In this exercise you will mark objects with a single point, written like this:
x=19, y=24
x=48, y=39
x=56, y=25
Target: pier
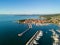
x=33, y=41
x=29, y=26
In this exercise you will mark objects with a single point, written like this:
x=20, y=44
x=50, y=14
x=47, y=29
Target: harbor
x=55, y=37
x=13, y=33
x=35, y=37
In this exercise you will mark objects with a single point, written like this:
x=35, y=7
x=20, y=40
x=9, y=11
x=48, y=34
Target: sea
x=9, y=30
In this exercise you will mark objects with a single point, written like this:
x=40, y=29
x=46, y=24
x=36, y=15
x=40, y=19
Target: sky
x=29, y=6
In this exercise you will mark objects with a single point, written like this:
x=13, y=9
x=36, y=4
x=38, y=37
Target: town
x=46, y=20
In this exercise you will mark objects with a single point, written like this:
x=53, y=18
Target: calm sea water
x=9, y=31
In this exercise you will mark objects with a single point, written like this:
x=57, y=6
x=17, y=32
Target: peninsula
x=53, y=19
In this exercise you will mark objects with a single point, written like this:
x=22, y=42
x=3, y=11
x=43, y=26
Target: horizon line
x=31, y=14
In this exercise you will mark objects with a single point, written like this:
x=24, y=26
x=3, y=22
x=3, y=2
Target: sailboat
x=35, y=42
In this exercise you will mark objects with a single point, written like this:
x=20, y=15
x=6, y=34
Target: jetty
x=35, y=37
x=29, y=26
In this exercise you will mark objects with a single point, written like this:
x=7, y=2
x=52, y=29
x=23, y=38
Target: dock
x=33, y=41
x=55, y=37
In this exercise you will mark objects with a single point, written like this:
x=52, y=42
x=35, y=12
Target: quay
x=33, y=41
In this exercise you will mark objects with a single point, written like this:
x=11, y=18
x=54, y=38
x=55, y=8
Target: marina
x=13, y=33
x=55, y=37
x=29, y=22
x=33, y=41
